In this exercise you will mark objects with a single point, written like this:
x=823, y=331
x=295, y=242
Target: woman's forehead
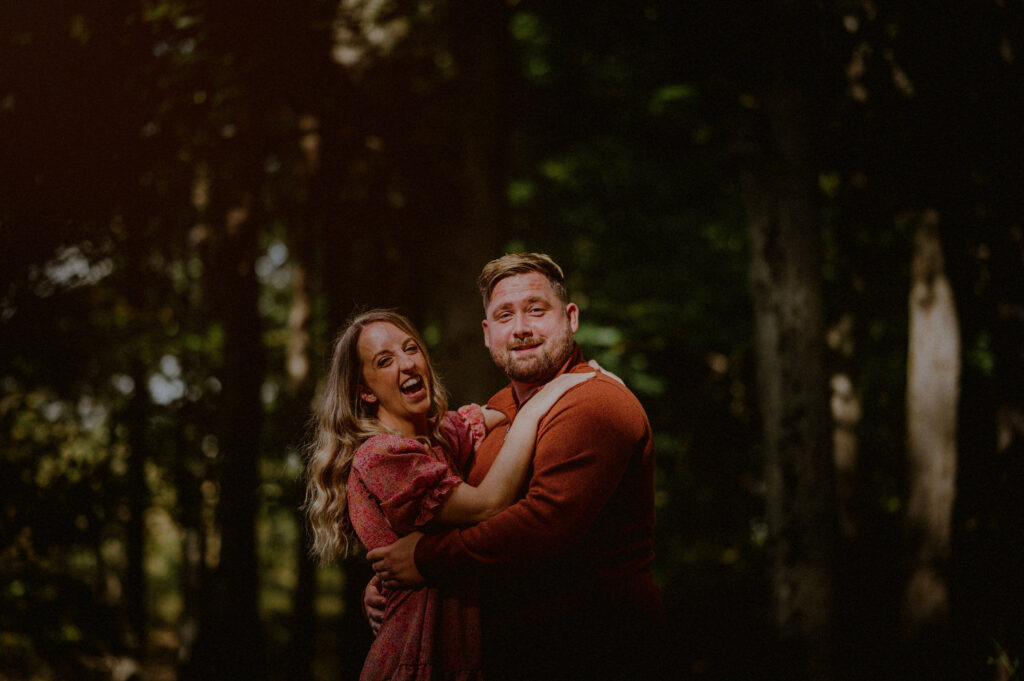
x=376, y=336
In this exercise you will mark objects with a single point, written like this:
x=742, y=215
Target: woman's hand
x=492, y=418
x=395, y=564
x=607, y=373
x=545, y=398
x=373, y=604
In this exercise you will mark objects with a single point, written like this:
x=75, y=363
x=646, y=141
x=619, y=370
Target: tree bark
x=301, y=647
x=478, y=36
x=302, y=384
x=194, y=575
x=243, y=369
x=933, y=391
x=138, y=503
x=846, y=413
x=230, y=641
x=779, y=190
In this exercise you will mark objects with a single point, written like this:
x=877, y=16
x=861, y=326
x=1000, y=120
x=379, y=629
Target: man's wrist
x=423, y=554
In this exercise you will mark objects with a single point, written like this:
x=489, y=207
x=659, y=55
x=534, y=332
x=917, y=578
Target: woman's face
x=395, y=378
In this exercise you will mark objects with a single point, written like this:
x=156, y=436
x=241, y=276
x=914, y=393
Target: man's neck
x=524, y=391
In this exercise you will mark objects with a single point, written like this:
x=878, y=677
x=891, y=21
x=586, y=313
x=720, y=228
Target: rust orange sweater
x=569, y=564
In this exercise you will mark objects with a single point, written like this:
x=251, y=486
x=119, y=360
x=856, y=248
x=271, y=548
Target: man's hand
x=373, y=604
x=395, y=565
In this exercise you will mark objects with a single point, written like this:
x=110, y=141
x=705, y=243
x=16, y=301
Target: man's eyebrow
x=528, y=301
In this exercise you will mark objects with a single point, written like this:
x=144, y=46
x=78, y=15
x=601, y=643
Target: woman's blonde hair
x=342, y=422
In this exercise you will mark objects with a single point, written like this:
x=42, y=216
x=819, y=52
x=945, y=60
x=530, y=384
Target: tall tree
x=478, y=38
x=779, y=190
x=298, y=365
x=225, y=195
x=933, y=393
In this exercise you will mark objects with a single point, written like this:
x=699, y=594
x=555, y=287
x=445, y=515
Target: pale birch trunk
x=933, y=392
x=846, y=414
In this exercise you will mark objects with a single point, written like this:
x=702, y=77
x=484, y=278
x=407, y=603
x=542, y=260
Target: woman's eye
x=412, y=348
x=383, y=361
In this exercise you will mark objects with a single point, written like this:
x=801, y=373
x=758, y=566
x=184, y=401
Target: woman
x=386, y=460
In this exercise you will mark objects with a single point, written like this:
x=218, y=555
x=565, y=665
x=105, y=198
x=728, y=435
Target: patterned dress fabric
x=396, y=486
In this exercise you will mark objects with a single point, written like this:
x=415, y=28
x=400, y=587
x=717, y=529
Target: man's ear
x=573, y=313
x=366, y=396
x=487, y=335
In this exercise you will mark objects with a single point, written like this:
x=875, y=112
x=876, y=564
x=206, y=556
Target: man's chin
x=530, y=374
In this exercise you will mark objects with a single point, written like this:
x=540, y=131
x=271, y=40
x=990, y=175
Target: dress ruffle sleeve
x=466, y=429
x=408, y=483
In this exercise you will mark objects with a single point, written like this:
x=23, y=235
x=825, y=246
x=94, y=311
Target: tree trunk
x=191, y=509
x=135, y=416
x=238, y=572
x=933, y=391
x=230, y=639
x=138, y=502
x=478, y=35
x=779, y=192
x=301, y=647
x=846, y=413
x=302, y=384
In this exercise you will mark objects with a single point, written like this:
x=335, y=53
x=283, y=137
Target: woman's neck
x=405, y=427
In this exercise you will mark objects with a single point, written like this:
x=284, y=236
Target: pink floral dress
x=395, y=486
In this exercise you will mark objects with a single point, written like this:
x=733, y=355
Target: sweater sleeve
x=584, y=445
x=408, y=483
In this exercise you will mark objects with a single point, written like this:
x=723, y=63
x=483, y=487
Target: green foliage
x=122, y=126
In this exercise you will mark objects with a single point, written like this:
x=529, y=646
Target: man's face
x=528, y=329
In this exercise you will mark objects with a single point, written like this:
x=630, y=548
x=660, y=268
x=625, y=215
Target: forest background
x=793, y=228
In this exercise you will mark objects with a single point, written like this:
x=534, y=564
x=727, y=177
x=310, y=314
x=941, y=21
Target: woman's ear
x=366, y=396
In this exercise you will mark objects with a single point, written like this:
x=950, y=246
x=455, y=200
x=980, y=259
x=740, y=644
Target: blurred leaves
x=621, y=126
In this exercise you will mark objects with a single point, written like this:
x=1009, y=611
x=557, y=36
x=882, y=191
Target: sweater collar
x=505, y=399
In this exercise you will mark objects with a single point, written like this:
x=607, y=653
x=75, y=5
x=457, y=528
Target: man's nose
x=522, y=328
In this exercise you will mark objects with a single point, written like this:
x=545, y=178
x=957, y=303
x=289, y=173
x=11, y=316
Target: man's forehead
x=520, y=300
x=521, y=286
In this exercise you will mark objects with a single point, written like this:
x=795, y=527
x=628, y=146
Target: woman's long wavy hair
x=342, y=423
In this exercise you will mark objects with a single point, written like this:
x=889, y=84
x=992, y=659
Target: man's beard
x=540, y=368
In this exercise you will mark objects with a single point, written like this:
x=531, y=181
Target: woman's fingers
x=597, y=366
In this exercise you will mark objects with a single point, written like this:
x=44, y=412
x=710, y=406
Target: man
x=566, y=584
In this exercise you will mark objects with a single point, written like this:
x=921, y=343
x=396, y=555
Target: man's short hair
x=521, y=263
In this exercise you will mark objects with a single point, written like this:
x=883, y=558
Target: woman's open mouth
x=412, y=387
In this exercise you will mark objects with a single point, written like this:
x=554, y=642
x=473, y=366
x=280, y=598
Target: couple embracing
x=511, y=541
